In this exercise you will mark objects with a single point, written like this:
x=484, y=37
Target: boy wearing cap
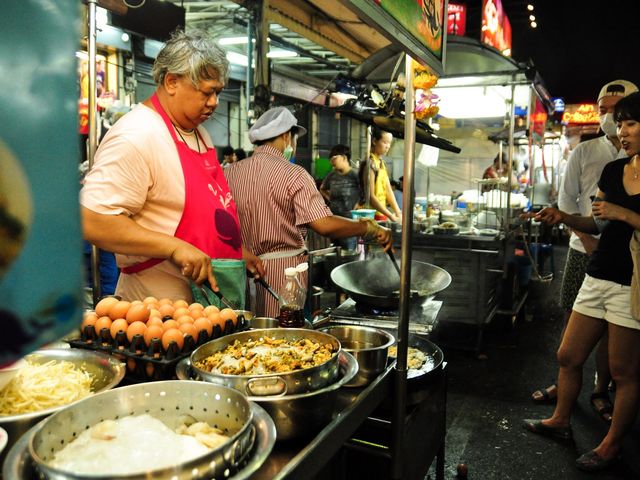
x=579, y=186
x=278, y=201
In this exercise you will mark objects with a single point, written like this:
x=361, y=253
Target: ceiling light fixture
x=234, y=40
x=238, y=59
x=282, y=54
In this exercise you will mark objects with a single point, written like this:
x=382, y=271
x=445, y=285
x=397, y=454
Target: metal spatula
x=208, y=292
x=264, y=283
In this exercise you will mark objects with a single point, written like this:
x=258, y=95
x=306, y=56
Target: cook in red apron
x=209, y=220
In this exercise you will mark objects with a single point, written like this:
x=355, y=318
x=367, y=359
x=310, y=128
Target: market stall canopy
x=468, y=62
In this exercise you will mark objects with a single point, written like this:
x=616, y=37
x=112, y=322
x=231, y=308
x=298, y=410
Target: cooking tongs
x=264, y=283
x=209, y=293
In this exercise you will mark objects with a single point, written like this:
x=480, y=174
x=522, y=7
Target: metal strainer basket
x=167, y=401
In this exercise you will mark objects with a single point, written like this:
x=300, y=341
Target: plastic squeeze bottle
x=292, y=298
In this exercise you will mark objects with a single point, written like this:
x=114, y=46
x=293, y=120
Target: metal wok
x=376, y=283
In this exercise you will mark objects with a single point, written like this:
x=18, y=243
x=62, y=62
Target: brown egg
x=102, y=322
x=104, y=305
x=179, y=312
x=216, y=319
x=136, y=302
x=165, y=301
x=155, y=321
x=169, y=324
x=228, y=314
x=180, y=304
x=118, y=325
x=166, y=310
x=184, y=319
x=196, y=306
x=150, y=300
x=154, y=313
x=90, y=318
x=153, y=331
x=119, y=310
x=136, y=328
x=203, y=324
x=138, y=313
x=196, y=313
x=189, y=329
x=210, y=309
x=172, y=335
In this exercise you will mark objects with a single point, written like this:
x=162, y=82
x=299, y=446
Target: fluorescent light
x=282, y=54
x=238, y=59
x=234, y=40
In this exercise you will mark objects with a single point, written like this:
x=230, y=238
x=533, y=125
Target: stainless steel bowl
x=248, y=316
x=299, y=381
x=369, y=346
x=106, y=370
x=168, y=401
x=270, y=322
x=296, y=415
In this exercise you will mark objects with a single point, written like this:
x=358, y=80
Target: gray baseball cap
x=274, y=122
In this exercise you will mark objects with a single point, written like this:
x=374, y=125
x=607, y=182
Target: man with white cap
x=579, y=185
x=278, y=201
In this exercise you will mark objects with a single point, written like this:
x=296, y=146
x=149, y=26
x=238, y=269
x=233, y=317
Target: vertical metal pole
x=93, y=140
x=512, y=125
x=400, y=391
x=249, y=76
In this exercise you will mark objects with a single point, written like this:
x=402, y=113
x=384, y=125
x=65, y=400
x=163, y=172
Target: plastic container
x=363, y=213
x=292, y=299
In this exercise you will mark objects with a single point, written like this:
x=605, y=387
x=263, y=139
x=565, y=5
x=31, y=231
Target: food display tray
x=150, y=363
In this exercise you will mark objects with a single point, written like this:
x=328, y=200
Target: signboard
x=496, y=28
x=418, y=26
x=582, y=114
x=457, y=19
x=558, y=104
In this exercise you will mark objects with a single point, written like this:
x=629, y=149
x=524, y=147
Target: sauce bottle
x=292, y=298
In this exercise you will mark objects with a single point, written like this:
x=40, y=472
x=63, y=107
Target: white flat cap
x=274, y=122
x=617, y=88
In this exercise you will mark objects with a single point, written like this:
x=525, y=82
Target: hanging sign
x=457, y=19
x=496, y=28
x=418, y=26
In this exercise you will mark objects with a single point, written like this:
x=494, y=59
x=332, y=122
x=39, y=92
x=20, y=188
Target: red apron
x=209, y=220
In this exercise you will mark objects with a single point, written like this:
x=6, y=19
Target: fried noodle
x=38, y=387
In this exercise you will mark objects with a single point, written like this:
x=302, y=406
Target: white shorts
x=607, y=300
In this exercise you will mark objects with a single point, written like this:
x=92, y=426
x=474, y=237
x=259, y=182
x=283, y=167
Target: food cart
x=415, y=419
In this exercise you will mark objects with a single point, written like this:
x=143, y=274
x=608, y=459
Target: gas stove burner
x=365, y=309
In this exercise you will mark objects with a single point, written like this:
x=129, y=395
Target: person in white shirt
x=578, y=188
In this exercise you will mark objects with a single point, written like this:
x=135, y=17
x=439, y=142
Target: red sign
x=496, y=28
x=457, y=19
x=539, y=118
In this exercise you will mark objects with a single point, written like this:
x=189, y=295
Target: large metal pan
x=375, y=282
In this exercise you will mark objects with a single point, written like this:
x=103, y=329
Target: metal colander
x=168, y=401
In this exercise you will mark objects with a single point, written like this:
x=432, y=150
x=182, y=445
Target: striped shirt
x=276, y=201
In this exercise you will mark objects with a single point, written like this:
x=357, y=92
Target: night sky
x=577, y=47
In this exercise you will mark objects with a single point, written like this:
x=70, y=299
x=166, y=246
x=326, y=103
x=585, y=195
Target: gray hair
x=191, y=54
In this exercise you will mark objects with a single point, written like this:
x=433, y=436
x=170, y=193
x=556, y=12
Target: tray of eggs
x=152, y=335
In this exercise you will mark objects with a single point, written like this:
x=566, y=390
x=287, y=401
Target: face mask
x=288, y=152
x=608, y=126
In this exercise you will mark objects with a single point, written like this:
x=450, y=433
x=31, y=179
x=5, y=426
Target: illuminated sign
x=457, y=19
x=558, y=104
x=581, y=114
x=417, y=26
x=496, y=28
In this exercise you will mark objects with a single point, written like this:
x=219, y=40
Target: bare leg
x=624, y=360
x=579, y=339
x=552, y=390
x=603, y=376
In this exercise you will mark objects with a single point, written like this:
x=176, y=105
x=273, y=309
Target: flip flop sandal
x=536, y=426
x=543, y=395
x=605, y=408
x=592, y=462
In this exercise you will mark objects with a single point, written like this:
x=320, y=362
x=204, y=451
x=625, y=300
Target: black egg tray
x=149, y=363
